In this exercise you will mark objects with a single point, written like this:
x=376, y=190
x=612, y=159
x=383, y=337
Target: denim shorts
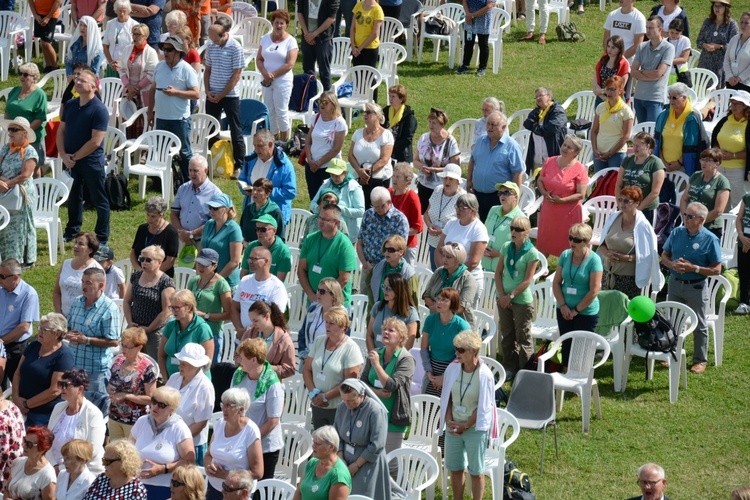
x=469, y=447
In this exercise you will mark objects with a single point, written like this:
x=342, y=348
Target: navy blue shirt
x=80, y=121
x=8, y=5
x=153, y=22
x=36, y=373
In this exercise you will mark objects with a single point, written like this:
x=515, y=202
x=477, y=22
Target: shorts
x=471, y=445
x=45, y=33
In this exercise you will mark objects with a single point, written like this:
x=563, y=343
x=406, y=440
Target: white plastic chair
x=140, y=114
x=50, y=195
x=498, y=25
x=498, y=372
x=643, y=127
x=251, y=30
x=527, y=197
x=463, y=131
x=684, y=321
x=586, y=154
x=721, y=98
x=297, y=309
x=113, y=139
x=111, y=91
x=160, y=147
x=522, y=137
x=704, y=82
x=729, y=240
x=543, y=267
x=693, y=58
x=510, y=7
x=365, y=80
x=544, y=326
x=203, y=128
x=126, y=267
x=600, y=207
x=291, y=276
x=716, y=312
x=296, y=227
x=360, y=319
x=249, y=85
x=4, y=219
x=181, y=277
x=560, y=7
x=494, y=457
x=417, y=471
x=390, y=55
x=59, y=84
x=390, y=30
x=585, y=107
x=341, y=60
x=423, y=273
x=423, y=251
x=229, y=335
x=680, y=180
x=456, y=13
x=425, y=424
x=484, y=322
x=297, y=409
x=307, y=116
x=519, y=115
x=11, y=24
x=409, y=31
x=274, y=489
x=297, y=449
x=580, y=375
x=487, y=299
x=63, y=38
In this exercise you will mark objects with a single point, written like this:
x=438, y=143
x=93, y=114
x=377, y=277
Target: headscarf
x=93, y=41
x=363, y=389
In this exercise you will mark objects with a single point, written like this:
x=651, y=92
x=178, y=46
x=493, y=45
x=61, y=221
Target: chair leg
x=586, y=409
x=683, y=370
x=650, y=368
x=544, y=439
x=595, y=397
x=674, y=380
x=559, y=400
x=52, y=243
x=617, y=360
x=719, y=341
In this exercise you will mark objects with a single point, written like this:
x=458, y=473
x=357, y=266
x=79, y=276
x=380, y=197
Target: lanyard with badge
x=321, y=252
x=572, y=289
x=321, y=376
x=350, y=444
x=461, y=408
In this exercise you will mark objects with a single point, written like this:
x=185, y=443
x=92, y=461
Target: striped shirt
x=223, y=61
x=102, y=320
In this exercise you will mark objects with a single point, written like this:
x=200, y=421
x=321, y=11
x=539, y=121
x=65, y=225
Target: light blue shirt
x=701, y=249
x=498, y=164
x=101, y=320
x=181, y=77
x=19, y=306
x=192, y=203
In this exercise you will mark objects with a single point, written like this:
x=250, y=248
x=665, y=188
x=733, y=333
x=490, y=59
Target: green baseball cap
x=267, y=219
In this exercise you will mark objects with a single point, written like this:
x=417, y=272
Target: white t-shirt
x=274, y=54
x=250, y=290
x=667, y=18
x=260, y=169
x=118, y=36
x=77, y=490
x=626, y=25
x=324, y=134
x=70, y=283
x=269, y=405
x=369, y=152
x=466, y=235
x=159, y=449
x=115, y=277
x=23, y=486
x=231, y=452
x=196, y=402
x=680, y=45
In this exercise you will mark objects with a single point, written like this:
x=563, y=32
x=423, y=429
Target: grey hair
x=501, y=116
x=405, y=169
x=156, y=205
x=244, y=478
x=13, y=266
x=545, y=90
x=327, y=434
x=577, y=141
x=380, y=194
x=375, y=108
x=658, y=468
x=455, y=250
x=225, y=23
x=123, y=3
x=495, y=103
x=699, y=207
x=236, y=396
x=177, y=16
x=468, y=200
x=30, y=68
x=97, y=273
x=200, y=160
x=55, y=321
x=678, y=88
x=265, y=135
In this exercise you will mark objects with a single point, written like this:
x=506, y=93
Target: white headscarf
x=93, y=41
x=362, y=389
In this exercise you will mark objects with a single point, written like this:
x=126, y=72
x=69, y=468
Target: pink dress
x=555, y=220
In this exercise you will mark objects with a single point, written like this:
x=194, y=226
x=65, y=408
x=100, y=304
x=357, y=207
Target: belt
x=690, y=282
x=16, y=343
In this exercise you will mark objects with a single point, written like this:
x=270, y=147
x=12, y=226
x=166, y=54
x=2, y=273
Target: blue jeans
x=614, y=161
x=180, y=128
x=91, y=176
x=218, y=346
x=98, y=382
x=647, y=111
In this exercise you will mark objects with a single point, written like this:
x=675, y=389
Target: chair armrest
x=534, y=207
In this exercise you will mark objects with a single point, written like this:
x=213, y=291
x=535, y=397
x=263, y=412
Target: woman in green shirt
x=213, y=296
x=498, y=223
x=513, y=278
x=645, y=171
x=30, y=102
x=186, y=327
x=710, y=188
x=326, y=475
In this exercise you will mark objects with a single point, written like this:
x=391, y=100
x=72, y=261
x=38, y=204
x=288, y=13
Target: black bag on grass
x=116, y=187
x=517, y=483
x=656, y=335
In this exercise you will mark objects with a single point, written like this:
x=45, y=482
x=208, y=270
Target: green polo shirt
x=326, y=258
x=511, y=281
x=498, y=227
x=281, y=256
x=196, y=332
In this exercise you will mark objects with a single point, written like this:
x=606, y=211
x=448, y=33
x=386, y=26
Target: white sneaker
x=742, y=309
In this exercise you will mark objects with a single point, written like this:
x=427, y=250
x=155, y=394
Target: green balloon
x=641, y=309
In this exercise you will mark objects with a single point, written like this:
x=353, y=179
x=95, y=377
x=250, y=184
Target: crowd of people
x=147, y=366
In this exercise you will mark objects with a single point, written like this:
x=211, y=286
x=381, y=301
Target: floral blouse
x=12, y=433
x=127, y=412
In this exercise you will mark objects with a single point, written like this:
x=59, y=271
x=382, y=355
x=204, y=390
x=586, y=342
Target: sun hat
x=451, y=171
x=23, y=123
x=193, y=354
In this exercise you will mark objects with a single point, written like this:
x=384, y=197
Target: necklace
x=150, y=236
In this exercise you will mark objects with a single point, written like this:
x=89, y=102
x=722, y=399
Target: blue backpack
x=303, y=87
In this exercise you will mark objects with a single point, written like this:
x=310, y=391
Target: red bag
x=50, y=140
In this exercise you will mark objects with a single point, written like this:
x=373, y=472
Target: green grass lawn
x=703, y=441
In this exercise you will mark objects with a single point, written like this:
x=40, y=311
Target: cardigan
x=694, y=141
x=553, y=129
x=281, y=354
x=402, y=146
x=715, y=141
x=400, y=384
x=90, y=428
x=486, y=409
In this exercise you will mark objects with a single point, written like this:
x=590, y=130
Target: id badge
x=460, y=409
x=349, y=449
x=378, y=384
x=317, y=269
x=571, y=290
x=321, y=377
x=492, y=238
x=379, y=338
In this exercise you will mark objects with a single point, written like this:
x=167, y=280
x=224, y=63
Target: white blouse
x=78, y=489
x=231, y=452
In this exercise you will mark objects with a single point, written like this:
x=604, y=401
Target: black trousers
x=393, y=11
x=322, y=53
x=13, y=351
x=315, y=180
x=580, y=322
x=486, y=202
x=484, y=49
x=231, y=108
x=368, y=57
x=424, y=196
x=743, y=268
x=367, y=190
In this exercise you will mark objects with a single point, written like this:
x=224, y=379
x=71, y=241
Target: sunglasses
x=176, y=484
x=460, y=350
x=690, y=217
x=387, y=288
x=145, y=259
x=29, y=444
x=25, y=75
x=160, y=404
x=323, y=102
x=109, y=461
x=6, y=276
x=214, y=208
x=168, y=49
x=675, y=97
x=369, y=112
x=262, y=229
x=625, y=201
x=64, y=385
x=505, y=193
x=391, y=250
x=229, y=489
x=322, y=291
x=517, y=229
x=437, y=111
x=575, y=240
x=14, y=129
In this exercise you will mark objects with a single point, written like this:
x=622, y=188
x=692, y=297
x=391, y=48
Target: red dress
x=555, y=220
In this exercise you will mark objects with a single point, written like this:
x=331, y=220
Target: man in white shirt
x=262, y=285
x=629, y=23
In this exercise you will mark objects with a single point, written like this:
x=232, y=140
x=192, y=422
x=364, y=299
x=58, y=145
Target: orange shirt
x=44, y=6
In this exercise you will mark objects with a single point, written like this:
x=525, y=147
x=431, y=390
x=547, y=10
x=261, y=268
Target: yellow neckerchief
x=545, y=111
x=20, y=148
x=679, y=122
x=394, y=117
x=611, y=110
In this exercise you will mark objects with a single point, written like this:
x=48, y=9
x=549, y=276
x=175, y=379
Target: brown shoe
x=528, y=36
x=698, y=368
x=542, y=39
x=665, y=364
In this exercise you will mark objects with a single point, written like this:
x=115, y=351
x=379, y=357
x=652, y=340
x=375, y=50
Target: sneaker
x=742, y=309
x=698, y=368
x=481, y=72
x=463, y=70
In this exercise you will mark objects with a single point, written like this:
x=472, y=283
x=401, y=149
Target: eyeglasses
x=167, y=50
x=26, y=75
x=160, y=404
x=29, y=444
x=505, y=193
x=387, y=288
x=460, y=350
x=703, y=160
x=517, y=229
x=440, y=298
x=81, y=80
x=690, y=217
x=675, y=97
x=323, y=291
x=461, y=208
x=390, y=250
x=46, y=330
x=109, y=461
x=227, y=405
x=255, y=259
x=175, y=308
x=127, y=346
x=145, y=259
x=650, y=484
x=327, y=220
x=229, y=489
x=176, y=484
x=625, y=201
x=64, y=385
x=369, y=112
x=262, y=230
x=575, y=240
x=611, y=89
x=14, y=129
x=6, y=276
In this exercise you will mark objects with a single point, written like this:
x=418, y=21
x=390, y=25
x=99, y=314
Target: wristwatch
x=323, y=395
x=207, y=316
x=512, y=296
x=192, y=236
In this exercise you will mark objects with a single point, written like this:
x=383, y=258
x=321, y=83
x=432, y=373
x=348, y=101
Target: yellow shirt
x=365, y=20
x=672, y=136
x=731, y=138
x=610, y=130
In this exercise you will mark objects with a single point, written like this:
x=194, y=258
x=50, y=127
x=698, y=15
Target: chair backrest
x=423, y=274
x=229, y=335
x=508, y=430
x=498, y=372
x=423, y=251
x=585, y=108
x=159, y=146
x=583, y=352
x=59, y=84
x=721, y=97
x=417, y=470
x=390, y=30
x=527, y=197
x=454, y=11
x=11, y=22
x=519, y=115
x=598, y=175
x=111, y=90
x=532, y=396
x=203, y=128
x=126, y=267
x=463, y=131
x=601, y=207
x=342, y=51
x=704, y=81
x=425, y=420
x=643, y=127
x=51, y=194
x=296, y=227
x=297, y=449
x=487, y=299
x=544, y=299
x=542, y=268
x=390, y=55
x=291, y=276
x=252, y=110
x=113, y=139
x=499, y=22
x=586, y=154
x=4, y=218
x=715, y=283
x=252, y=29
x=296, y=401
x=683, y=319
x=522, y=137
x=424, y=311
x=249, y=85
x=359, y=307
x=680, y=180
x=729, y=234
x=181, y=277
x=365, y=79
x=693, y=58
x=274, y=489
x=297, y=309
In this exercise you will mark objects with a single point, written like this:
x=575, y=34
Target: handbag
x=685, y=77
x=438, y=24
x=14, y=199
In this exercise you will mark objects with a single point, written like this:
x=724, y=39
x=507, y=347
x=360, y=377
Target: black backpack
x=656, y=335
x=517, y=483
x=116, y=187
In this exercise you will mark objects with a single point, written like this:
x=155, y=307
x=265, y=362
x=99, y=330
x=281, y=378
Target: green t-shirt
x=510, y=282
x=196, y=332
x=314, y=488
x=465, y=392
x=32, y=107
x=706, y=192
x=642, y=175
x=374, y=381
x=498, y=227
x=441, y=336
x=325, y=258
x=209, y=299
x=281, y=257
x=576, y=280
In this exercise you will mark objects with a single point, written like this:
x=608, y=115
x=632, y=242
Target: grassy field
x=703, y=441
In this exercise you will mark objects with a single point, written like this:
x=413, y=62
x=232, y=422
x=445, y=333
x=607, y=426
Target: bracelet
x=166, y=469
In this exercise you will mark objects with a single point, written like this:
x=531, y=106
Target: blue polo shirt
x=80, y=122
x=498, y=164
x=153, y=22
x=102, y=320
x=192, y=203
x=19, y=306
x=702, y=249
x=181, y=77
